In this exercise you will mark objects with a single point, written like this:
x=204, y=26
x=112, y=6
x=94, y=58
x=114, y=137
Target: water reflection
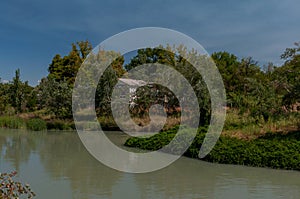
x=16, y=149
x=58, y=166
x=63, y=158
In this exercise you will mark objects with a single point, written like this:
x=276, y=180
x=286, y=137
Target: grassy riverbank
x=244, y=141
x=38, y=122
x=273, y=150
x=35, y=124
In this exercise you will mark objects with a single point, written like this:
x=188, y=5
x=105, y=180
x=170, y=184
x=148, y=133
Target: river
x=57, y=165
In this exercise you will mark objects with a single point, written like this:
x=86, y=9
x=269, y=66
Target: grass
x=246, y=127
x=12, y=122
x=35, y=124
x=236, y=125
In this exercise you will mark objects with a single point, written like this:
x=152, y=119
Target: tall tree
x=22, y=96
x=288, y=76
x=4, y=97
x=228, y=65
x=174, y=57
x=55, y=97
x=65, y=68
x=16, y=92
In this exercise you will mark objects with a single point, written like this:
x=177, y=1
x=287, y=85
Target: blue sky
x=33, y=31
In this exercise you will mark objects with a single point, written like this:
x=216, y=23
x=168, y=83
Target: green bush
x=272, y=150
x=36, y=124
x=60, y=125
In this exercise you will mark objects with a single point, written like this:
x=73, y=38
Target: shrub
x=36, y=124
x=271, y=150
x=60, y=125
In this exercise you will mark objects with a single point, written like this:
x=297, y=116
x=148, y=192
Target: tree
x=55, y=97
x=4, y=97
x=55, y=91
x=65, y=68
x=108, y=79
x=16, y=92
x=262, y=100
x=236, y=75
x=292, y=97
x=174, y=57
x=289, y=76
x=228, y=66
x=21, y=94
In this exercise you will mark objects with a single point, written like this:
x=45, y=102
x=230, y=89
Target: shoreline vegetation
x=239, y=126
x=274, y=144
x=262, y=126
x=279, y=150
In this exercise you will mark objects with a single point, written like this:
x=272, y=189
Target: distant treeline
x=263, y=92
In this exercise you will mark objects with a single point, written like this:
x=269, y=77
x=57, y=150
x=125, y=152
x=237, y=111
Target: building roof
x=132, y=82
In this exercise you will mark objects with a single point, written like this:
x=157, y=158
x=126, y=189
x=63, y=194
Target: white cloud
x=4, y=81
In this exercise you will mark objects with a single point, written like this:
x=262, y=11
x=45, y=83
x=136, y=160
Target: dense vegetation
x=256, y=95
x=262, y=123
x=271, y=150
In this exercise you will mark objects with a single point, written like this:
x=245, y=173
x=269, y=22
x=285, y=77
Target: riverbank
x=272, y=150
x=35, y=124
x=261, y=147
x=39, y=122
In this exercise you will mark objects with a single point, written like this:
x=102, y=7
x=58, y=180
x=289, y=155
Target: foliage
x=56, y=88
x=293, y=96
x=56, y=97
x=154, y=142
x=60, y=125
x=12, y=122
x=17, y=94
x=4, y=98
x=235, y=73
x=260, y=94
x=108, y=123
x=10, y=189
x=36, y=124
x=174, y=57
x=65, y=68
x=104, y=91
x=245, y=126
x=291, y=73
x=261, y=101
x=271, y=150
x=109, y=78
x=228, y=66
x=55, y=91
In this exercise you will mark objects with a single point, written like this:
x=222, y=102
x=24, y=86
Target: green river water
x=57, y=166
